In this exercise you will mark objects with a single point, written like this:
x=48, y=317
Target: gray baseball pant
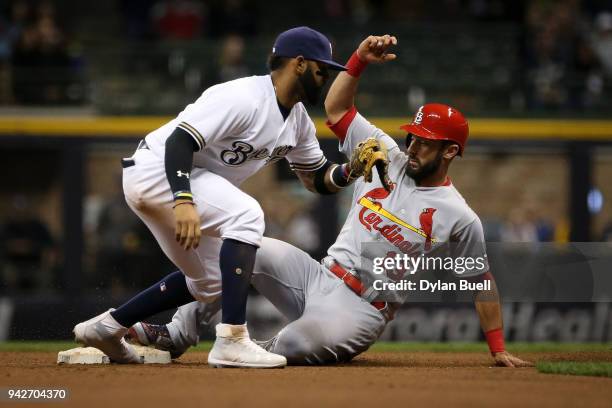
x=328, y=322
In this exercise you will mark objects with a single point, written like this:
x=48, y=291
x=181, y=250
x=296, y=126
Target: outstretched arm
x=341, y=95
x=488, y=306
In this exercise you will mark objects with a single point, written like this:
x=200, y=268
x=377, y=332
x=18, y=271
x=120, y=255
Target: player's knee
x=248, y=225
x=253, y=221
x=255, y=216
x=296, y=347
x=305, y=345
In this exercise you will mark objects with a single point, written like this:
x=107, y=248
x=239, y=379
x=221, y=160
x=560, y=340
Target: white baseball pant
x=225, y=212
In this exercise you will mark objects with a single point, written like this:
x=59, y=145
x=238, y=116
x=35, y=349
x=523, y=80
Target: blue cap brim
x=333, y=65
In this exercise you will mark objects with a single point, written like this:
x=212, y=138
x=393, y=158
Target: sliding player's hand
x=505, y=359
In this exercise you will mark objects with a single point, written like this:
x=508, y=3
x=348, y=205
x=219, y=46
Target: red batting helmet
x=440, y=122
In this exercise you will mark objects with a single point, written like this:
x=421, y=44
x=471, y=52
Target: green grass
x=594, y=369
x=517, y=347
x=55, y=346
x=37, y=345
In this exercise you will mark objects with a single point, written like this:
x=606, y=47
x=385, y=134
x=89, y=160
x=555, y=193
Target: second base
x=91, y=355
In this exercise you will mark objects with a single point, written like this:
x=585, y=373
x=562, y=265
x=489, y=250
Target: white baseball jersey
x=410, y=219
x=239, y=128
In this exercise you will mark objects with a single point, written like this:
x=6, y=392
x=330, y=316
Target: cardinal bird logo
x=377, y=194
x=426, y=220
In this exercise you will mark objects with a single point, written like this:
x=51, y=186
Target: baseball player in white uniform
x=183, y=182
x=333, y=314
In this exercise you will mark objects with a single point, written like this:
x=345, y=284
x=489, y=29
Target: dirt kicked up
x=380, y=379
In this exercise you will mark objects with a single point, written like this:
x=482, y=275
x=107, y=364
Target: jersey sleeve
x=469, y=250
x=218, y=113
x=307, y=154
x=354, y=128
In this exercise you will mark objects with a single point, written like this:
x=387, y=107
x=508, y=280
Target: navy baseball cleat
x=153, y=335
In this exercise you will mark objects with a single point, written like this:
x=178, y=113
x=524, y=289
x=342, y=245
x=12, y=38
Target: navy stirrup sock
x=168, y=293
x=236, y=261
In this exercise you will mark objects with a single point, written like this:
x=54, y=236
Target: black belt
x=129, y=162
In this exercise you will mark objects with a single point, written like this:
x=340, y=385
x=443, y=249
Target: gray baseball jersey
x=411, y=219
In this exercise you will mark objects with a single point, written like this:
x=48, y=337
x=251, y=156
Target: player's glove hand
x=187, y=224
x=368, y=154
x=505, y=359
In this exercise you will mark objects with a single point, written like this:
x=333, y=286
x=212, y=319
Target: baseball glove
x=368, y=154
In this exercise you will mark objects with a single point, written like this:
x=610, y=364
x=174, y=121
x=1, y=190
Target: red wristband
x=495, y=339
x=355, y=66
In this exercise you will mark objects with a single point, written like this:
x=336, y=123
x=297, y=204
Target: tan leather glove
x=368, y=154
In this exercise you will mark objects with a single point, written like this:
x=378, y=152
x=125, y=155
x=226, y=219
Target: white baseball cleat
x=106, y=334
x=234, y=348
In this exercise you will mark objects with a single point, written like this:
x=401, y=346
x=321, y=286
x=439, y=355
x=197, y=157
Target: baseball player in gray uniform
x=183, y=182
x=333, y=314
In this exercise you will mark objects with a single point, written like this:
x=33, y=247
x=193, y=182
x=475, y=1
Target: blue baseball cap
x=309, y=43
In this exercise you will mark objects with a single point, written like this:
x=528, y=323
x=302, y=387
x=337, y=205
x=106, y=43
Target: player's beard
x=425, y=171
x=312, y=92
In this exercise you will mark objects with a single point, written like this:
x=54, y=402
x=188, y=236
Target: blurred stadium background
x=82, y=82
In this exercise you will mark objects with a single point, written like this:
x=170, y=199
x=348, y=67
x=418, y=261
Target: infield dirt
x=382, y=379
